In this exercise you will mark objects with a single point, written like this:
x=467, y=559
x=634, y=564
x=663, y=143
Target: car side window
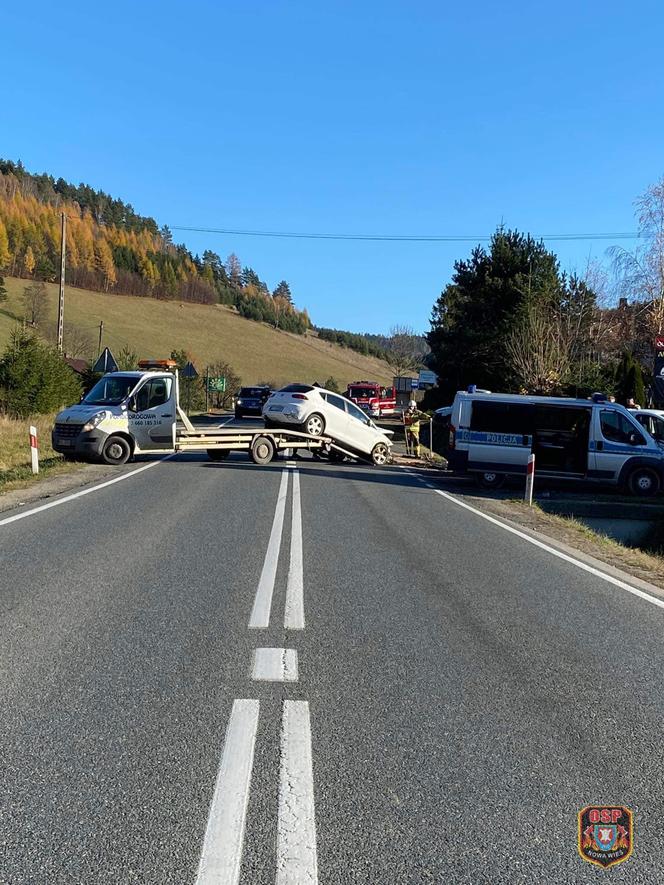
x=336, y=401
x=618, y=428
x=354, y=412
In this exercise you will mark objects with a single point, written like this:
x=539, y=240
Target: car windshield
x=252, y=391
x=111, y=390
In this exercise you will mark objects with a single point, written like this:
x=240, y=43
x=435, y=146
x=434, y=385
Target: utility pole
x=101, y=332
x=61, y=301
x=207, y=389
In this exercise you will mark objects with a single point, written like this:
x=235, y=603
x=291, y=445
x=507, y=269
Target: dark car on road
x=250, y=401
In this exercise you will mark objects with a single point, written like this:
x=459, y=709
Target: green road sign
x=217, y=385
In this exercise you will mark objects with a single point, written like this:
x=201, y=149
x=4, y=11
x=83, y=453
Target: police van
x=492, y=436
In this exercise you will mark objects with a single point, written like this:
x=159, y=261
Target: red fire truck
x=373, y=398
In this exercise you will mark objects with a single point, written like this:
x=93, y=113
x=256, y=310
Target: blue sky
x=374, y=117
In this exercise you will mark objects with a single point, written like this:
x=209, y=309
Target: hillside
x=211, y=332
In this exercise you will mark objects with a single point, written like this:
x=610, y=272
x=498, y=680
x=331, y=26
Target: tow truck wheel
x=644, y=481
x=380, y=454
x=262, y=450
x=314, y=425
x=116, y=451
x=218, y=454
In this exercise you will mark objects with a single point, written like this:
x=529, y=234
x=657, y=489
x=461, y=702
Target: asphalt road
x=460, y=693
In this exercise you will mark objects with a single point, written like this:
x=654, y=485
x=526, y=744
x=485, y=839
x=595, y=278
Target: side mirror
x=131, y=404
x=633, y=440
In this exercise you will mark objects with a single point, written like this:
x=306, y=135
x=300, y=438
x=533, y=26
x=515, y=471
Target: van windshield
x=111, y=390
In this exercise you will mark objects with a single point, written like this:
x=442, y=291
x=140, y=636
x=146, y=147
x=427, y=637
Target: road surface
x=435, y=700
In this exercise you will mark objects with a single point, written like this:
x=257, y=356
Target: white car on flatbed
x=317, y=412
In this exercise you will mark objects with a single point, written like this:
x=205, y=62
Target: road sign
x=105, y=363
x=428, y=377
x=414, y=384
x=189, y=371
x=217, y=385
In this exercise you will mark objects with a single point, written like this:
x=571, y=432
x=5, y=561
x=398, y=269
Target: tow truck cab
x=124, y=413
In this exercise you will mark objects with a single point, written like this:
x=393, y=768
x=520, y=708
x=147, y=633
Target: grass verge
x=15, y=463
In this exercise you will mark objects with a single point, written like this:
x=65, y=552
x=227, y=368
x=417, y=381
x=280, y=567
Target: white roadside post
x=530, y=479
x=34, y=449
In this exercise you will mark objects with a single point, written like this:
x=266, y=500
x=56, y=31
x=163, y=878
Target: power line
x=389, y=238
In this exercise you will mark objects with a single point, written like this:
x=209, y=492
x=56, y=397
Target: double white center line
x=294, y=610
x=296, y=861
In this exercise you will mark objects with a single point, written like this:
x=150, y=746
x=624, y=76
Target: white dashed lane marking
x=275, y=665
x=260, y=613
x=221, y=857
x=297, y=862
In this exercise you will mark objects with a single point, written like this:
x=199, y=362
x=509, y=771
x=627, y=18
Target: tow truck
x=138, y=412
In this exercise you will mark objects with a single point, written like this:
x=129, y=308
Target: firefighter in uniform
x=413, y=416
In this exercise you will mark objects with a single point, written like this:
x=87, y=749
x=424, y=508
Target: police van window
x=618, y=428
x=657, y=428
x=154, y=393
x=502, y=417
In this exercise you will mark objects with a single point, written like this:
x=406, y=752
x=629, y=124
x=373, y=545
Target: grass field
x=212, y=333
x=15, y=464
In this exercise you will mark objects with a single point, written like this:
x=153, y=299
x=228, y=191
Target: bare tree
x=539, y=351
x=404, y=350
x=234, y=269
x=641, y=272
x=35, y=303
x=77, y=343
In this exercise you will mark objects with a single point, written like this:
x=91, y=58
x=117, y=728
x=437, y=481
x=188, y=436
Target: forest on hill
x=111, y=248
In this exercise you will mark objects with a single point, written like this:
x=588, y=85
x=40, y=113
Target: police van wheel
x=262, y=450
x=644, y=481
x=116, y=451
x=490, y=480
x=218, y=454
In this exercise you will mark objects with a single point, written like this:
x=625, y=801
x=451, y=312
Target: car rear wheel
x=218, y=454
x=380, y=454
x=644, y=481
x=314, y=425
x=490, y=480
x=116, y=450
x=262, y=450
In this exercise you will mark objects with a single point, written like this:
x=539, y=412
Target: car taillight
x=452, y=436
x=298, y=396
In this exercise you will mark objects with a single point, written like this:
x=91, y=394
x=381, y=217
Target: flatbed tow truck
x=138, y=412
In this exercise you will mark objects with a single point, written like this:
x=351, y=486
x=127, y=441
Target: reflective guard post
x=34, y=450
x=530, y=479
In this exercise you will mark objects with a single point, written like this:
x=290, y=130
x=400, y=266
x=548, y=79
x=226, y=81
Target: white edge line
x=296, y=828
x=221, y=855
x=260, y=613
x=537, y=543
x=294, y=611
x=101, y=485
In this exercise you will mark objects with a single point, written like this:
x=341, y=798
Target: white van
x=123, y=414
x=492, y=435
